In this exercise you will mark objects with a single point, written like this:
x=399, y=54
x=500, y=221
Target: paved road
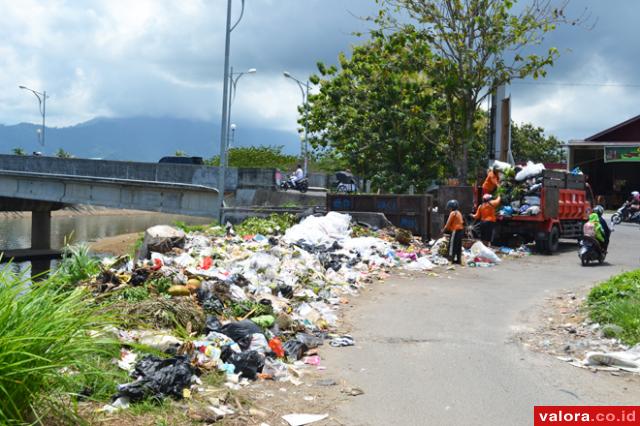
x=437, y=351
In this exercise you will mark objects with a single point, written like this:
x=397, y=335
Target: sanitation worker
x=492, y=182
x=486, y=214
x=455, y=225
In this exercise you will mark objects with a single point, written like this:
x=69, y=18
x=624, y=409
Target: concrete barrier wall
x=156, y=172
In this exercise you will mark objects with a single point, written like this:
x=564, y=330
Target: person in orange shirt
x=486, y=213
x=492, y=182
x=455, y=225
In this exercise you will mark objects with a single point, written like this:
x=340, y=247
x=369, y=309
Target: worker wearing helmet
x=455, y=225
x=486, y=214
x=492, y=182
x=599, y=210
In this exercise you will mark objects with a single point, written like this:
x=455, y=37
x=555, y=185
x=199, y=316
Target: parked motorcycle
x=591, y=251
x=625, y=214
x=301, y=185
x=346, y=182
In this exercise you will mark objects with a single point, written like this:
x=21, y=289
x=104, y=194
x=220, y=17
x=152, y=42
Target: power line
x=548, y=83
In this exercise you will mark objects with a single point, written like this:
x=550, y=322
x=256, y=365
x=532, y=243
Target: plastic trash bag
x=529, y=171
x=158, y=378
x=212, y=324
x=501, y=165
x=248, y=363
x=259, y=343
x=324, y=230
x=310, y=341
x=532, y=200
x=240, y=331
x=294, y=349
x=589, y=230
x=479, y=250
x=284, y=290
x=264, y=321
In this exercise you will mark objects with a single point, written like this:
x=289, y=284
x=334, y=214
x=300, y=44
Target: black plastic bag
x=212, y=324
x=158, y=378
x=284, y=290
x=248, y=363
x=239, y=280
x=310, y=341
x=294, y=349
x=241, y=332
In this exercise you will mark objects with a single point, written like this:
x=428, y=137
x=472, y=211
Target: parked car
x=182, y=160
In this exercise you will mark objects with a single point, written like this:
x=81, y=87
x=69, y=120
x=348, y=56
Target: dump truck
x=566, y=201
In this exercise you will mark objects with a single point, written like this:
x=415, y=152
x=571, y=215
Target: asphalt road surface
x=439, y=351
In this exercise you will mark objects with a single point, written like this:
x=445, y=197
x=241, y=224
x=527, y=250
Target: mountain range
x=137, y=138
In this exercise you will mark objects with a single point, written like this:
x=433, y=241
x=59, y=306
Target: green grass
x=49, y=351
x=617, y=301
x=77, y=264
x=273, y=224
x=207, y=229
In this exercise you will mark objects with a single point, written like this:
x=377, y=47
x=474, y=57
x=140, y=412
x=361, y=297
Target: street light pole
x=232, y=96
x=42, y=105
x=225, y=105
x=304, y=89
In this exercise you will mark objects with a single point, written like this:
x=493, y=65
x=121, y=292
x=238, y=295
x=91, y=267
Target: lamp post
x=42, y=104
x=234, y=85
x=225, y=102
x=304, y=88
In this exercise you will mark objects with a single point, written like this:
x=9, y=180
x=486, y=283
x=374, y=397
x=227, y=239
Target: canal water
x=15, y=233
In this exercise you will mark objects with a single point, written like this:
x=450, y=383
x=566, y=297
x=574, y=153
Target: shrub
x=48, y=347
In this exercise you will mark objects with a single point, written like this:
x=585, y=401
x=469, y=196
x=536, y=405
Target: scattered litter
x=303, y=419
x=342, y=341
x=353, y=391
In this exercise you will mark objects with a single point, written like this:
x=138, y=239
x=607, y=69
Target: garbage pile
x=520, y=189
x=256, y=306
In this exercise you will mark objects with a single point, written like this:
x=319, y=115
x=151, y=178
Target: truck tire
x=550, y=243
x=554, y=239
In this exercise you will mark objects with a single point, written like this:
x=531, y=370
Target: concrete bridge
x=42, y=184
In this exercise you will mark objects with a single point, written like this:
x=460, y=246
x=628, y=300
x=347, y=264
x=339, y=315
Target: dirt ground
x=116, y=245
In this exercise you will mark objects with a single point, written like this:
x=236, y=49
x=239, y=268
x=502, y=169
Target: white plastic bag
x=501, y=165
x=530, y=170
x=479, y=250
x=320, y=230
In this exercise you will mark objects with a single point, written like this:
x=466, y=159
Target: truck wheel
x=541, y=246
x=553, y=240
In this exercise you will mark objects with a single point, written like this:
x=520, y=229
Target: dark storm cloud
x=165, y=58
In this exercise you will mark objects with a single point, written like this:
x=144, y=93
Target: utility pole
x=225, y=105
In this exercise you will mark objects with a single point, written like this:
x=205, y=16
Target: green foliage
x=380, y=113
x=77, y=265
x=258, y=157
x=61, y=153
x=134, y=294
x=274, y=224
x=136, y=245
x=617, y=301
x=477, y=46
x=530, y=143
x=180, y=153
x=241, y=309
x=48, y=348
x=18, y=151
x=195, y=228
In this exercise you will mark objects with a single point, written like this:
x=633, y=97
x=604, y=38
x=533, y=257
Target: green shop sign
x=616, y=154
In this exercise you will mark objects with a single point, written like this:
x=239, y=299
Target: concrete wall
x=156, y=172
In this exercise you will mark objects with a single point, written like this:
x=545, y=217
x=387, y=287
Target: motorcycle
x=301, y=185
x=625, y=214
x=346, y=182
x=591, y=251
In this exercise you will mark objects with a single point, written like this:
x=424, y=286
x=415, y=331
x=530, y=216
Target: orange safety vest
x=455, y=222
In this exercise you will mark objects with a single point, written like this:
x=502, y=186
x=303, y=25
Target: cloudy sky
x=120, y=58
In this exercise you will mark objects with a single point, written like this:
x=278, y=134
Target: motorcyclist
x=297, y=176
x=634, y=205
x=599, y=210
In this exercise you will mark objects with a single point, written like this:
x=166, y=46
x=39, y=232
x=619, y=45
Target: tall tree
x=478, y=46
x=380, y=112
x=529, y=143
